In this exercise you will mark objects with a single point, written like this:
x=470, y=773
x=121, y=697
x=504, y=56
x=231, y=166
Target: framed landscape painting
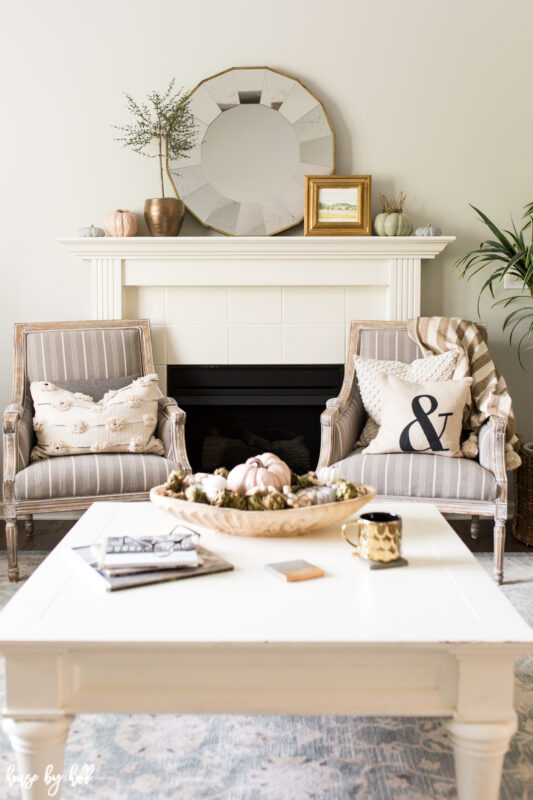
x=338, y=205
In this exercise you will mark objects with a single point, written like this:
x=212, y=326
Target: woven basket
x=523, y=496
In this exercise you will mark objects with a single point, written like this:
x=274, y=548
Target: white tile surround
x=253, y=300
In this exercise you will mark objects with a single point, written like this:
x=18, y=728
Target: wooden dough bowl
x=286, y=522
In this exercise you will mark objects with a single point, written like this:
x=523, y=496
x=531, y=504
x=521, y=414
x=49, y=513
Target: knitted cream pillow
x=71, y=423
x=421, y=417
x=431, y=368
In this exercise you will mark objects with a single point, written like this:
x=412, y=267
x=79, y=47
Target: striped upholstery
x=388, y=344
x=87, y=475
x=417, y=475
x=348, y=425
x=69, y=355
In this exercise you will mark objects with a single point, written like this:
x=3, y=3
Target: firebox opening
x=235, y=412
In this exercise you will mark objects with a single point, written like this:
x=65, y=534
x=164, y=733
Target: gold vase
x=164, y=215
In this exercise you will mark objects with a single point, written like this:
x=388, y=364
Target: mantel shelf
x=391, y=265
x=259, y=247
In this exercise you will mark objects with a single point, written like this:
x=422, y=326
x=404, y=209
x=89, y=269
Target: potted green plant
x=510, y=252
x=166, y=120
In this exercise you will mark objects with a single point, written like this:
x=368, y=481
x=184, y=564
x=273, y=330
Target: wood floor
x=47, y=533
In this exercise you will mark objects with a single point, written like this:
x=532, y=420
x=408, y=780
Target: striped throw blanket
x=490, y=396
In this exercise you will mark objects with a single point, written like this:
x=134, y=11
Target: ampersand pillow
x=71, y=423
x=421, y=417
x=430, y=368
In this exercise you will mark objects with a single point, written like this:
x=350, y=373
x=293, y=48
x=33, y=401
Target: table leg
x=39, y=747
x=479, y=749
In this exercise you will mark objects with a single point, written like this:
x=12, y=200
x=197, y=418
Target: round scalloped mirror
x=259, y=133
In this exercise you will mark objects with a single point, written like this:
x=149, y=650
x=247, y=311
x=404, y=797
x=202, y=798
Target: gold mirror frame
x=314, y=140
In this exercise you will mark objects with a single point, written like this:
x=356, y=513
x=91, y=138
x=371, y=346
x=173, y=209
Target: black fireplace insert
x=235, y=412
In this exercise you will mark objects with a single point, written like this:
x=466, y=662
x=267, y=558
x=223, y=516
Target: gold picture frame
x=338, y=205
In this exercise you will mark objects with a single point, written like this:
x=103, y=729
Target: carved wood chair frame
x=14, y=508
x=330, y=422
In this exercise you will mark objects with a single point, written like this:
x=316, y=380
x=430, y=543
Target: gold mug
x=379, y=536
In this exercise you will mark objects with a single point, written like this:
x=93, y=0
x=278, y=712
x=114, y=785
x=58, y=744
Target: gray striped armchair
x=453, y=485
x=90, y=357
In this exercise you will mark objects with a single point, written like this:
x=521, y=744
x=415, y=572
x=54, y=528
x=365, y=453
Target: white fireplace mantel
x=392, y=263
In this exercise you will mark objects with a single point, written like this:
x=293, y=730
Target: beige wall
x=429, y=96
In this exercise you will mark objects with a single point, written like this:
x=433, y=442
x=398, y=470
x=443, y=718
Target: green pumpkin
x=392, y=221
x=393, y=224
x=428, y=230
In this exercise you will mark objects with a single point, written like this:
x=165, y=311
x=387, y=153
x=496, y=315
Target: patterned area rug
x=284, y=758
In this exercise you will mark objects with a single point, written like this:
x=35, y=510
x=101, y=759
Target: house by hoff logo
x=76, y=776
x=422, y=418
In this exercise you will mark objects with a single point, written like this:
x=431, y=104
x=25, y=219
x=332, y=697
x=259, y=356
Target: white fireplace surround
x=252, y=300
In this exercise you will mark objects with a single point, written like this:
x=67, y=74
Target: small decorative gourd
x=91, y=231
x=322, y=494
x=259, y=472
x=392, y=221
x=428, y=230
x=329, y=475
x=121, y=223
x=212, y=484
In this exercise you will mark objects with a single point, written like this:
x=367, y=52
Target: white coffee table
x=435, y=639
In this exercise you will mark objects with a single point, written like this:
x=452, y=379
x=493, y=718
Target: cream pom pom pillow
x=71, y=423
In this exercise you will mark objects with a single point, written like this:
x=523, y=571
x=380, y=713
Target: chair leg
x=499, y=549
x=474, y=527
x=12, y=549
x=28, y=524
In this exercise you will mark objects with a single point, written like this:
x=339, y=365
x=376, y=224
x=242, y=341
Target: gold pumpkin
x=261, y=472
x=121, y=223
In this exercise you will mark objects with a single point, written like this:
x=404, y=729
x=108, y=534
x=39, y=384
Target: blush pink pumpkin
x=121, y=223
x=261, y=472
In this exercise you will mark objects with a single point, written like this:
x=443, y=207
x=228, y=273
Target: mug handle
x=346, y=525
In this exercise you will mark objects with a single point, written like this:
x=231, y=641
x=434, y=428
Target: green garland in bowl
x=305, y=490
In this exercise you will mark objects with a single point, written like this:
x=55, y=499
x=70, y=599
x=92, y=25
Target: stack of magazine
x=126, y=561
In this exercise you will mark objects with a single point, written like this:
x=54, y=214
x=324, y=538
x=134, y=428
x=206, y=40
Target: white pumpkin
x=428, y=230
x=212, y=484
x=261, y=472
x=91, y=231
x=329, y=475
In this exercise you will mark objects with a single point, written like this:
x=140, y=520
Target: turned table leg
x=479, y=749
x=474, y=526
x=12, y=548
x=39, y=747
x=28, y=524
x=499, y=550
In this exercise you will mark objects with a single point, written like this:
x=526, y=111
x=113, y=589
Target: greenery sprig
x=509, y=253
x=166, y=118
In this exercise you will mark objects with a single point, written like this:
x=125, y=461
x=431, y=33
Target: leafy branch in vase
x=165, y=118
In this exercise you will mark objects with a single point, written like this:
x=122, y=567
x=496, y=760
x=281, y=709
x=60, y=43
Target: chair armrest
x=491, y=442
x=12, y=414
x=341, y=425
x=18, y=438
x=171, y=430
